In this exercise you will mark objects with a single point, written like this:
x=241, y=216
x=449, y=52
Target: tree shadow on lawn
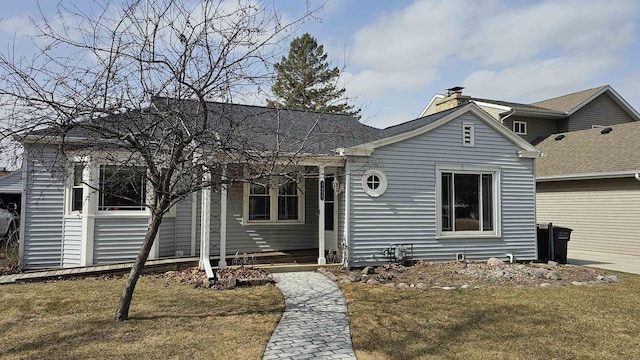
x=415, y=336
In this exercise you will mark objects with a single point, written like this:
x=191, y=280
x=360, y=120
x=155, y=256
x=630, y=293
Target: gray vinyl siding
x=11, y=183
x=183, y=226
x=72, y=242
x=43, y=205
x=600, y=111
x=166, y=237
x=536, y=127
x=277, y=237
x=406, y=212
x=604, y=214
x=118, y=240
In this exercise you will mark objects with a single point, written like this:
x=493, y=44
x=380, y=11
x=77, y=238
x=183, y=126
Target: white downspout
x=205, y=229
x=511, y=112
x=637, y=176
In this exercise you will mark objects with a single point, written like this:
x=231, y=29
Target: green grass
x=595, y=322
x=74, y=320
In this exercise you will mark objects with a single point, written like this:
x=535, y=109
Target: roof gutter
x=591, y=176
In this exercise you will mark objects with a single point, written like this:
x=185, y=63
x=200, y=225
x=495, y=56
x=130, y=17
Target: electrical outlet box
x=459, y=256
x=179, y=253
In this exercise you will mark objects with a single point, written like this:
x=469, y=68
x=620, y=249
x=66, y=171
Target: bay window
x=121, y=188
x=468, y=201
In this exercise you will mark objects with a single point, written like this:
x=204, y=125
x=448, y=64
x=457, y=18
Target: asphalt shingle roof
x=590, y=152
x=566, y=103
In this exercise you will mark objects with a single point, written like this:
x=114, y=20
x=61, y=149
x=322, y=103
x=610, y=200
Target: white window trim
x=497, y=212
x=522, y=124
x=384, y=183
x=68, y=197
x=273, y=202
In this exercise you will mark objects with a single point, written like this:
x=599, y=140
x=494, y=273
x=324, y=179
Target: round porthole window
x=374, y=182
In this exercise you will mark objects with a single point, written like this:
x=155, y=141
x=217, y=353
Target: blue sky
x=397, y=54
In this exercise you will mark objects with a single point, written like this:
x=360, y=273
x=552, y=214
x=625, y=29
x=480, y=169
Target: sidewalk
x=616, y=262
x=314, y=324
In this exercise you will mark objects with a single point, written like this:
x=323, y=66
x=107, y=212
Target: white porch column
x=321, y=196
x=205, y=221
x=90, y=175
x=223, y=220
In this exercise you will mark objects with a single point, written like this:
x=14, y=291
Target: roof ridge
x=570, y=94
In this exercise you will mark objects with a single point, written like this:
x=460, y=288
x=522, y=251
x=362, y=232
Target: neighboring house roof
x=589, y=153
x=11, y=183
x=558, y=107
x=567, y=103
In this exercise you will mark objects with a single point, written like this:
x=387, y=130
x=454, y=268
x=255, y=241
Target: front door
x=330, y=215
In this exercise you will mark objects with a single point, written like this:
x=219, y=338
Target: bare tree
x=147, y=87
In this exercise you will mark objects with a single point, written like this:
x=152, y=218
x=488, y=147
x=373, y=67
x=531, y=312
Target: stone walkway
x=314, y=324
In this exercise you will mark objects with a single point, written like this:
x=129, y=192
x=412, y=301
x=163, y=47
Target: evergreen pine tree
x=305, y=81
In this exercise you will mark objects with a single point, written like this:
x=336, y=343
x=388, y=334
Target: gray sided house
x=597, y=107
x=456, y=183
x=590, y=181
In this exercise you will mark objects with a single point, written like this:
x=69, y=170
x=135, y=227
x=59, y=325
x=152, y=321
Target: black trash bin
x=561, y=237
x=553, y=247
x=542, y=238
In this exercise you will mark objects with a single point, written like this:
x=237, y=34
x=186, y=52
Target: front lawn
x=571, y=322
x=74, y=320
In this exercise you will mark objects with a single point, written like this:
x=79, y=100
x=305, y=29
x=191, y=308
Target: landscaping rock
x=354, y=278
x=372, y=282
x=494, y=261
x=368, y=270
x=545, y=285
x=389, y=284
x=422, y=286
x=403, y=285
x=539, y=273
x=612, y=278
x=465, y=286
x=448, y=288
x=553, y=275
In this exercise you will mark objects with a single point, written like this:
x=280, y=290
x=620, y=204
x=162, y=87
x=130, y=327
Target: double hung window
x=275, y=199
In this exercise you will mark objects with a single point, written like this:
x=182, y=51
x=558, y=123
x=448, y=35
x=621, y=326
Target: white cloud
x=510, y=49
x=533, y=80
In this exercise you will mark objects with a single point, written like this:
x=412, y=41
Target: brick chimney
x=452, y=98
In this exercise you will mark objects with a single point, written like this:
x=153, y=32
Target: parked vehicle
x=7, y=218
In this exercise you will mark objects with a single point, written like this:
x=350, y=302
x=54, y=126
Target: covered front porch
x=257, y=217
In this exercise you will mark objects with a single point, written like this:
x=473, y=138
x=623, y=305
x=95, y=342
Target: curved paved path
x=314, y=324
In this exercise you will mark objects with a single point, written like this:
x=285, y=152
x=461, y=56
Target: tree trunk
x=127, y=293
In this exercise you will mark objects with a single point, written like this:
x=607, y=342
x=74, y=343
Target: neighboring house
x=601, y=106
x=589, y=181
x=454, y=184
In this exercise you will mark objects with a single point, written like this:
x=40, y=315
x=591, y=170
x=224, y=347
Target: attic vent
x=559, y=137
x=606, y=130
x=467, y=134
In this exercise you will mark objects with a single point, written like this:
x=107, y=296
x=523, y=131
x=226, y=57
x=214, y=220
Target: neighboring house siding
x=495, y=113
x=600, y=111
x=72, y=242
x=536, y=127
x=167, y=237
x=44, y=210
x=604, y=214
x=118, y=240
x=183, y=226
x=406, y=213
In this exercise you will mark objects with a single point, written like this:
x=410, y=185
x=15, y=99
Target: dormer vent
x=606, y=130
x=559, y=137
